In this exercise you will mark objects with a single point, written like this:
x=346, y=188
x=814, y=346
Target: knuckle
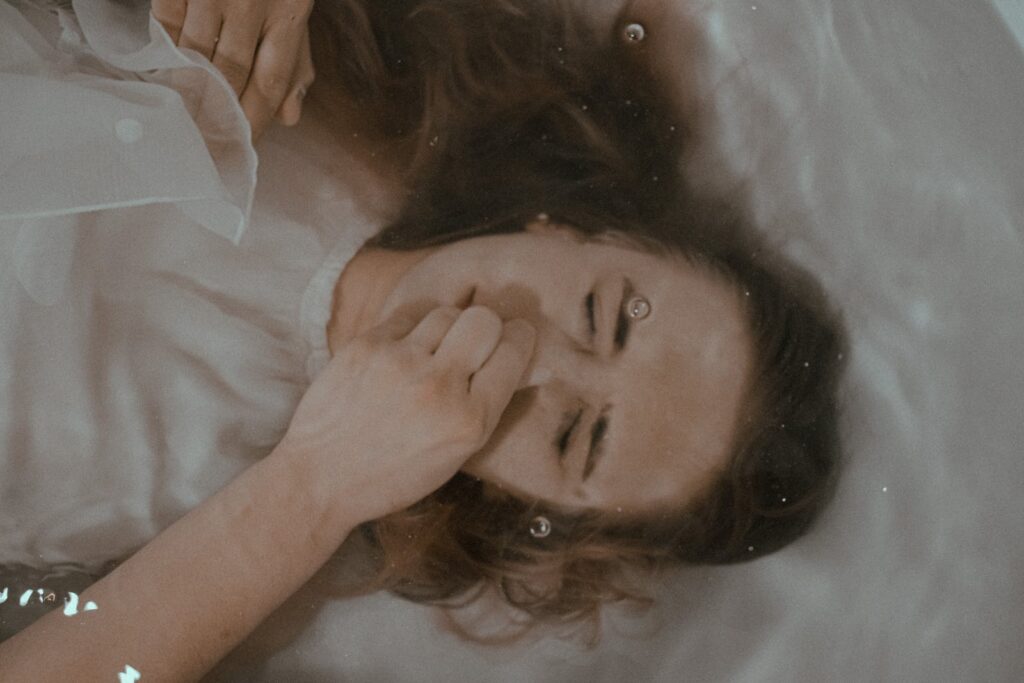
x=451, y=385
x=294, y=12
x=447, y=312
x=434, y=392
x=272, y=85
x=470, y=426
x=406, y=361
x=481, y=311
x=483, y=317
x=438, y=319
x=235, y=72
x=171, y=22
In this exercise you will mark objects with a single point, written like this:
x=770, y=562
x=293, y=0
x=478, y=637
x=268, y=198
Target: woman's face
x=616, y=412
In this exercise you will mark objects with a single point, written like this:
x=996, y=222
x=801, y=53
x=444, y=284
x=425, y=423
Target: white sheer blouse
x=160, y=317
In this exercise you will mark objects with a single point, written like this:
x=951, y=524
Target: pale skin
x=615, y=413
x=260, y=46
x=420, y=385
x=404, y=404
x=193, y=593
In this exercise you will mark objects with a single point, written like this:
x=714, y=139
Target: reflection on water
x=39, y=591
x=129, y=675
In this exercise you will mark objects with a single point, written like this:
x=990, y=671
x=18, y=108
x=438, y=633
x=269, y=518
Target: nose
x=560, y=359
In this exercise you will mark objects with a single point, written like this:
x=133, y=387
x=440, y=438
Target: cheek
x=421, y=291
x=511, y=301
x=513, y=428
x=517, y=455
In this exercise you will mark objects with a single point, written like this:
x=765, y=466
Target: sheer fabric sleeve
x=101, y=111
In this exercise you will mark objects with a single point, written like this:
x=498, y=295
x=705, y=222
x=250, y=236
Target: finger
x=496, y=382
x=171, y=15
x=396, y=326
x=272, y=70
x=471, y=339
x=201, y=29
x=235, y=49
x=430, y=331
x=290, y=110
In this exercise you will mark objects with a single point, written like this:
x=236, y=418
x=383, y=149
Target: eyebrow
x=622, y=325
x=597, y=433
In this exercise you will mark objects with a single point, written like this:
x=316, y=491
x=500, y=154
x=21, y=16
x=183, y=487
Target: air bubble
x=638, y=308
x=540, y=527
x=634, y=33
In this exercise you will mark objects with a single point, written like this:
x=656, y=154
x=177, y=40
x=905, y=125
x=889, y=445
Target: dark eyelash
x=590, y=313
x=563, y=440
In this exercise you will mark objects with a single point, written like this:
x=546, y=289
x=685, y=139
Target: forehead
x=681, y=386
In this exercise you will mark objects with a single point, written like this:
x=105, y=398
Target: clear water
x=881, y=144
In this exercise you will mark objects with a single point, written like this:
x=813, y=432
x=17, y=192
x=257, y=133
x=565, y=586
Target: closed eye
x=591, y=323
x=569, y=424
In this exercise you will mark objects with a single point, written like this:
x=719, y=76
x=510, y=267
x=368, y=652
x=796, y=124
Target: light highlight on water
x=129, y=675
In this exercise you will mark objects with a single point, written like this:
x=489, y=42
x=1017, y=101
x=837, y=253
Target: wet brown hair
x=503, y=109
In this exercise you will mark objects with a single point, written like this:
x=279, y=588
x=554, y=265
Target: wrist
x=311, y=480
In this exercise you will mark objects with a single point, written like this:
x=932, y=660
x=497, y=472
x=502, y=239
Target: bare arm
x=387, y=422
x=186, y=599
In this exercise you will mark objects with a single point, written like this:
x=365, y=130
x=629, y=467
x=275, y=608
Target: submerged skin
x=661, y=411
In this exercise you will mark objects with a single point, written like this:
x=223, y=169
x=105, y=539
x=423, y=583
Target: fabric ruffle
x=163, y=122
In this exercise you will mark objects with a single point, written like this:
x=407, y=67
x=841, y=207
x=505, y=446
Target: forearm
x=193, y=593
